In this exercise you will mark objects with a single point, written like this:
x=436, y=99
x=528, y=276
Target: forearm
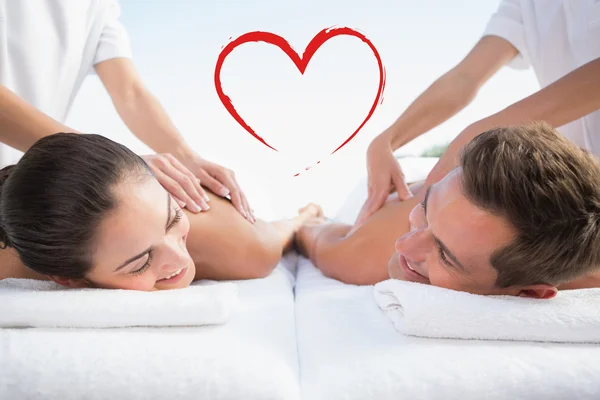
x=149, y=122
x=453, y=91
x=315, y=240
x=571, y=97
x=21, y=124
x=442, y=100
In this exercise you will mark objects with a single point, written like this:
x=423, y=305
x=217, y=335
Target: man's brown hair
x=548, y=189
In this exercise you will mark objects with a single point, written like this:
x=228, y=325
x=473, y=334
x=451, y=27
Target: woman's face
x=141, y=244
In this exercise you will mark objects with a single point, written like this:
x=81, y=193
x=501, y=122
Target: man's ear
x=70, y=283
x=541, y=291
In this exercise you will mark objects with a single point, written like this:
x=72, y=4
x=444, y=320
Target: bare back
x=359, y=257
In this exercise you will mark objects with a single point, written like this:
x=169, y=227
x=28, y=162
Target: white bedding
x=252, y=356
x=335, y=344
x=350, y=350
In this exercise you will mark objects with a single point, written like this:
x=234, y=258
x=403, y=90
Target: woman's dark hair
x=53, y=200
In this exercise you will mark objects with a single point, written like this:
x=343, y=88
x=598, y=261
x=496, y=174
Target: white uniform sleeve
x=114, y=40
x=507, y=23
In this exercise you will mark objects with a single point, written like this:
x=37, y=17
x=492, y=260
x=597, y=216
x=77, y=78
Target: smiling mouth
x=410, y=271
x=175, y=276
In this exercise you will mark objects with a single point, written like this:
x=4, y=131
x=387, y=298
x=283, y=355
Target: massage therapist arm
x=21, y=125
x=573, y=96
x=448, y=95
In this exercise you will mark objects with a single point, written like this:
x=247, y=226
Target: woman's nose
x=415, y=244
x=177, y=250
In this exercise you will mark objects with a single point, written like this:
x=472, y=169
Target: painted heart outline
x=300, y=62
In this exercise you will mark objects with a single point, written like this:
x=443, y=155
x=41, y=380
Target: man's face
x=450, y=242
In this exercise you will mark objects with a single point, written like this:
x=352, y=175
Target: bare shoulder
x=225, y=245
x=361, y=256
x=213, y=228
x=222, y=219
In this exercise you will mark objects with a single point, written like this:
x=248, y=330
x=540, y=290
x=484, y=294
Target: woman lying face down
x=519, y=216
x=85, y=211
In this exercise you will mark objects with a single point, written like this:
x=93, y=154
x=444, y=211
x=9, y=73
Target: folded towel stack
x=44, y=304
x=415, y=309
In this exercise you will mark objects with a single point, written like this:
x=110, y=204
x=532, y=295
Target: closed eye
x=144, y=267
x=178, y=216
x=443, y=257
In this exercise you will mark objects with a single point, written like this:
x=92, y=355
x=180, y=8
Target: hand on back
x=384, y=177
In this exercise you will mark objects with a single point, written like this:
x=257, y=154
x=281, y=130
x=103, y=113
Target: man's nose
x=415, y=244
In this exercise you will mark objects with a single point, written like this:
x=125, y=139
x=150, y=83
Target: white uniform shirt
x=47, y=47
x=554, y=37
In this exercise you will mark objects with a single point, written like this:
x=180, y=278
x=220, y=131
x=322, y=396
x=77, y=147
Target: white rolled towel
x=44, y=304
x=416, y=309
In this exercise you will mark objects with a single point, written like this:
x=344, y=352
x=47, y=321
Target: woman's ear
x=70, y=283
x=541, y=291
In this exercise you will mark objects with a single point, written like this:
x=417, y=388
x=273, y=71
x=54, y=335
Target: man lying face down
x=520, y=216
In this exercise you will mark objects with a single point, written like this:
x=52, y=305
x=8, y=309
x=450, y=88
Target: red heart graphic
x=300, y=62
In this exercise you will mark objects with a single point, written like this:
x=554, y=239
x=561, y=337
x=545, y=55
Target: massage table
x=297, y=335
x=251, y=356
x=350, y=350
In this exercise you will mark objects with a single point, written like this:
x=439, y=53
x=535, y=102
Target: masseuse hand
x=221, y=181
x=385, y=176
x=183, y=180
x=179, y=181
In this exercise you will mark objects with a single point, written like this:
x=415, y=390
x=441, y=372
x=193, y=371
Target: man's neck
x=586, y=282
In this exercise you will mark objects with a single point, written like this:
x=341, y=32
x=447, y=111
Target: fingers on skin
x=195, y=181
x=238, y=198
x=189, y=185
x=246, y=206
x=225, y=184
x=238, y=204
x=362, y=215
x=404, y=192
x=180, y=184
x=213, y=184
x=175, y=189
x=374, y=202
x=244, y=199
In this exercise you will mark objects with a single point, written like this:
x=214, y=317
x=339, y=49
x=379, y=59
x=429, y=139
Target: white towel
x=44, y=304
x=415, y=309
x=349, y=350
x=251, y=357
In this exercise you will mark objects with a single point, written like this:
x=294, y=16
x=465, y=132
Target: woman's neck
x=12, y=267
